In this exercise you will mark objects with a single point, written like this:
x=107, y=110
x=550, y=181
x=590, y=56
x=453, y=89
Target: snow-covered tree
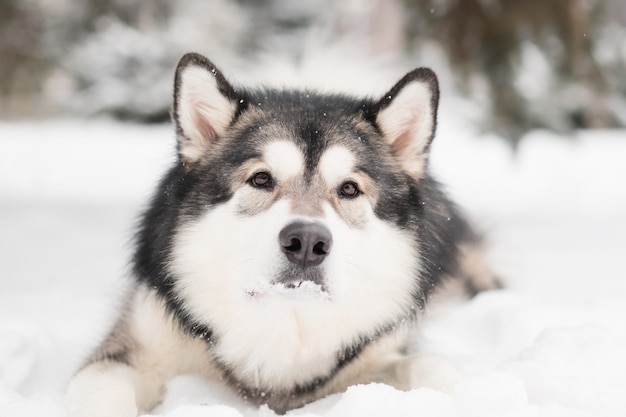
x=525, y=64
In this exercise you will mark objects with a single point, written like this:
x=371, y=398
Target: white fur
x=368, y=286
x=410, y=113
x=428, y=370
x=284, y=159
x=336, y=165
x=200, y=103
x=103, y=391
x=161, y=340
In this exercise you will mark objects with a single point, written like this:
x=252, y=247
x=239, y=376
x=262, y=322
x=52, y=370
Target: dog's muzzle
x=305, y=244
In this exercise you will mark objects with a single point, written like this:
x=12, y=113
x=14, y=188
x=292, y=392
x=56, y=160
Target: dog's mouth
x=296, y=285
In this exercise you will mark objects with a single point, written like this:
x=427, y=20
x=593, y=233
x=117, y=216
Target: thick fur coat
x=289, y=251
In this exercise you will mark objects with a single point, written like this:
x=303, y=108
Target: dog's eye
x=261, y=180
x=349, y=189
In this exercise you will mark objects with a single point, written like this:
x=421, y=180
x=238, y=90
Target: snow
x=551, y=343
x=302, y=291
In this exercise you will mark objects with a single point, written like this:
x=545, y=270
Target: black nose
x=305, y=244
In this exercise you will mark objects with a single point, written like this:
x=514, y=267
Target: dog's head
x=289, y=199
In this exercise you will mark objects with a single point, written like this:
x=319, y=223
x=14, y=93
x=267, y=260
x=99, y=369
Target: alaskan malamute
x=289, y=250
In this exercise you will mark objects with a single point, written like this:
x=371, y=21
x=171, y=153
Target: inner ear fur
x=407, y=117
x=205, y=105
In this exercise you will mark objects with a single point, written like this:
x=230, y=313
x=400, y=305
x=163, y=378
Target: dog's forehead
x=287, y=160
x=307, y=136
x=284, y=157
x=336, y=163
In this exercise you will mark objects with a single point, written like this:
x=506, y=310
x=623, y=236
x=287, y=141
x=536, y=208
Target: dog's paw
x=422, y=370
x=94, y=392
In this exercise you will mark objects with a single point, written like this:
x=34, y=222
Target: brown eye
x=349, y=189
x=261, y=180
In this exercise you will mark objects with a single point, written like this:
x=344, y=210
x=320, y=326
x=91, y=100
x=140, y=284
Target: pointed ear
x=407, y=116
x=204, y=105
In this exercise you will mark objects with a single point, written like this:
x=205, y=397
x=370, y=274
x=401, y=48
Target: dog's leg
x=386, y=361
x=127, y=374
x=473, y=276
x=424, y=370
x=475, y=273
x=110, y=389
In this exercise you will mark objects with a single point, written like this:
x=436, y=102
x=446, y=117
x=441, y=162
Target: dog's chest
x=280, y=347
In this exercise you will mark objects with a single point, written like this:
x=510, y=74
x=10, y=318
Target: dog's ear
x=204, y=105
x=407, y=116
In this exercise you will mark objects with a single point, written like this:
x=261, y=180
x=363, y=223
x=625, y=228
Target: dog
x=289, y=251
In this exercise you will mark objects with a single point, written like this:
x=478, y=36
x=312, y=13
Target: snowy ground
x=553, y=343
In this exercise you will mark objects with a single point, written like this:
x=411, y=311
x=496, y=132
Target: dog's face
x=296, y=213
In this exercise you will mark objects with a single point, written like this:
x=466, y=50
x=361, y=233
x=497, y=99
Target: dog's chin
x=291, y=283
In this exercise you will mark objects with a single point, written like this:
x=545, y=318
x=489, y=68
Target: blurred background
x=522, y=65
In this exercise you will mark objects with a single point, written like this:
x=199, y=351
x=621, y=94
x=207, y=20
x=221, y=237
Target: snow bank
x=551, y=344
